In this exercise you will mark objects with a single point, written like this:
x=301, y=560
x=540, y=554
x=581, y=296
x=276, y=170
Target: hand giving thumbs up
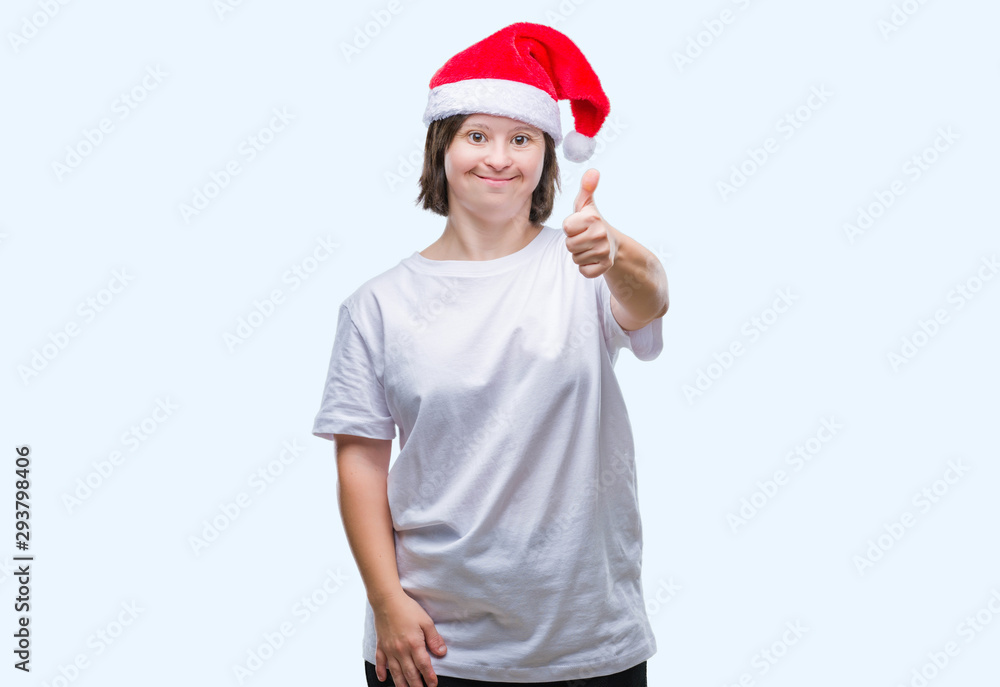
x=592, y=241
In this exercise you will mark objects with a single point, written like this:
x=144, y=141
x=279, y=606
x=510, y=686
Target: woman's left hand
x=592, y=241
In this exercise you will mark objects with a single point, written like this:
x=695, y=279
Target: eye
x=526, y=139
x=475, y=133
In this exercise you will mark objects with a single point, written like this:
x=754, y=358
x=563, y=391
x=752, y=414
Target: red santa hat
x=521, y=72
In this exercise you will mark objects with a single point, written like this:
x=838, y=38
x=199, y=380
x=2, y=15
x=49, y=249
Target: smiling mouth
x=493, y=178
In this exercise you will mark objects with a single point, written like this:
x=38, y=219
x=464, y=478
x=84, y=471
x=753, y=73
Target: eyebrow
x=484, y=125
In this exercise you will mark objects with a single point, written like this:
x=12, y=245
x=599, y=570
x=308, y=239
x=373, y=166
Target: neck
x=477, y=240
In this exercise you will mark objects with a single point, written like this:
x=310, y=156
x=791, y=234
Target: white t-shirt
x=513, y=495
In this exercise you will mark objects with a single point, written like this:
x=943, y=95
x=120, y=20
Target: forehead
x=497, y=123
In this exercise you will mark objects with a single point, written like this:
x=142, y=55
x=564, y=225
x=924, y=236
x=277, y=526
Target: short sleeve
x=645, y=343
x=353, y=398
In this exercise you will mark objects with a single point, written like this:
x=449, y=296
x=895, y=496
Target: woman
x=504, y=545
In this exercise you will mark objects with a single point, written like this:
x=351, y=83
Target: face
x=493, y=166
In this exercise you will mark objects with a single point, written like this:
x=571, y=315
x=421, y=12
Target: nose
x=497, y=156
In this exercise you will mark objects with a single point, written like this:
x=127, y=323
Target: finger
x=588, y=184
x=397, y=673
x=426, y=669
x=578, y=222
x=589, y=256
x=434, y=640
x=576, y=247
x=381, y=665
x=411, y=671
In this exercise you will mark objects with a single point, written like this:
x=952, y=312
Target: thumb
x=434, y=640
x=588, y=184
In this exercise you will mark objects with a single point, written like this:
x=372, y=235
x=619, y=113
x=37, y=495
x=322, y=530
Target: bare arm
x=638, y=284
x=362, y=469
x=403, y=629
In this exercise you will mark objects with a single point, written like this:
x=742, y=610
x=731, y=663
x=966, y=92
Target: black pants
x=632, y=677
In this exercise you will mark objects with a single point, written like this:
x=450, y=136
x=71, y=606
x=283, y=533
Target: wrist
x=379, y=597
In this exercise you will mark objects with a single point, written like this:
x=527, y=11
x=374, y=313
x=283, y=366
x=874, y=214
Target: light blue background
x=324, y=177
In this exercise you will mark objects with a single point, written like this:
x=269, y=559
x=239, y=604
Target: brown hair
x=434, y=183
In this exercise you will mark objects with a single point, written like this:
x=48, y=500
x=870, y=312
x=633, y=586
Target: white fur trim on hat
x=500, y=97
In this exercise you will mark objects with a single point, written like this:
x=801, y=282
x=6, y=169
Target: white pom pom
x=577, y=147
